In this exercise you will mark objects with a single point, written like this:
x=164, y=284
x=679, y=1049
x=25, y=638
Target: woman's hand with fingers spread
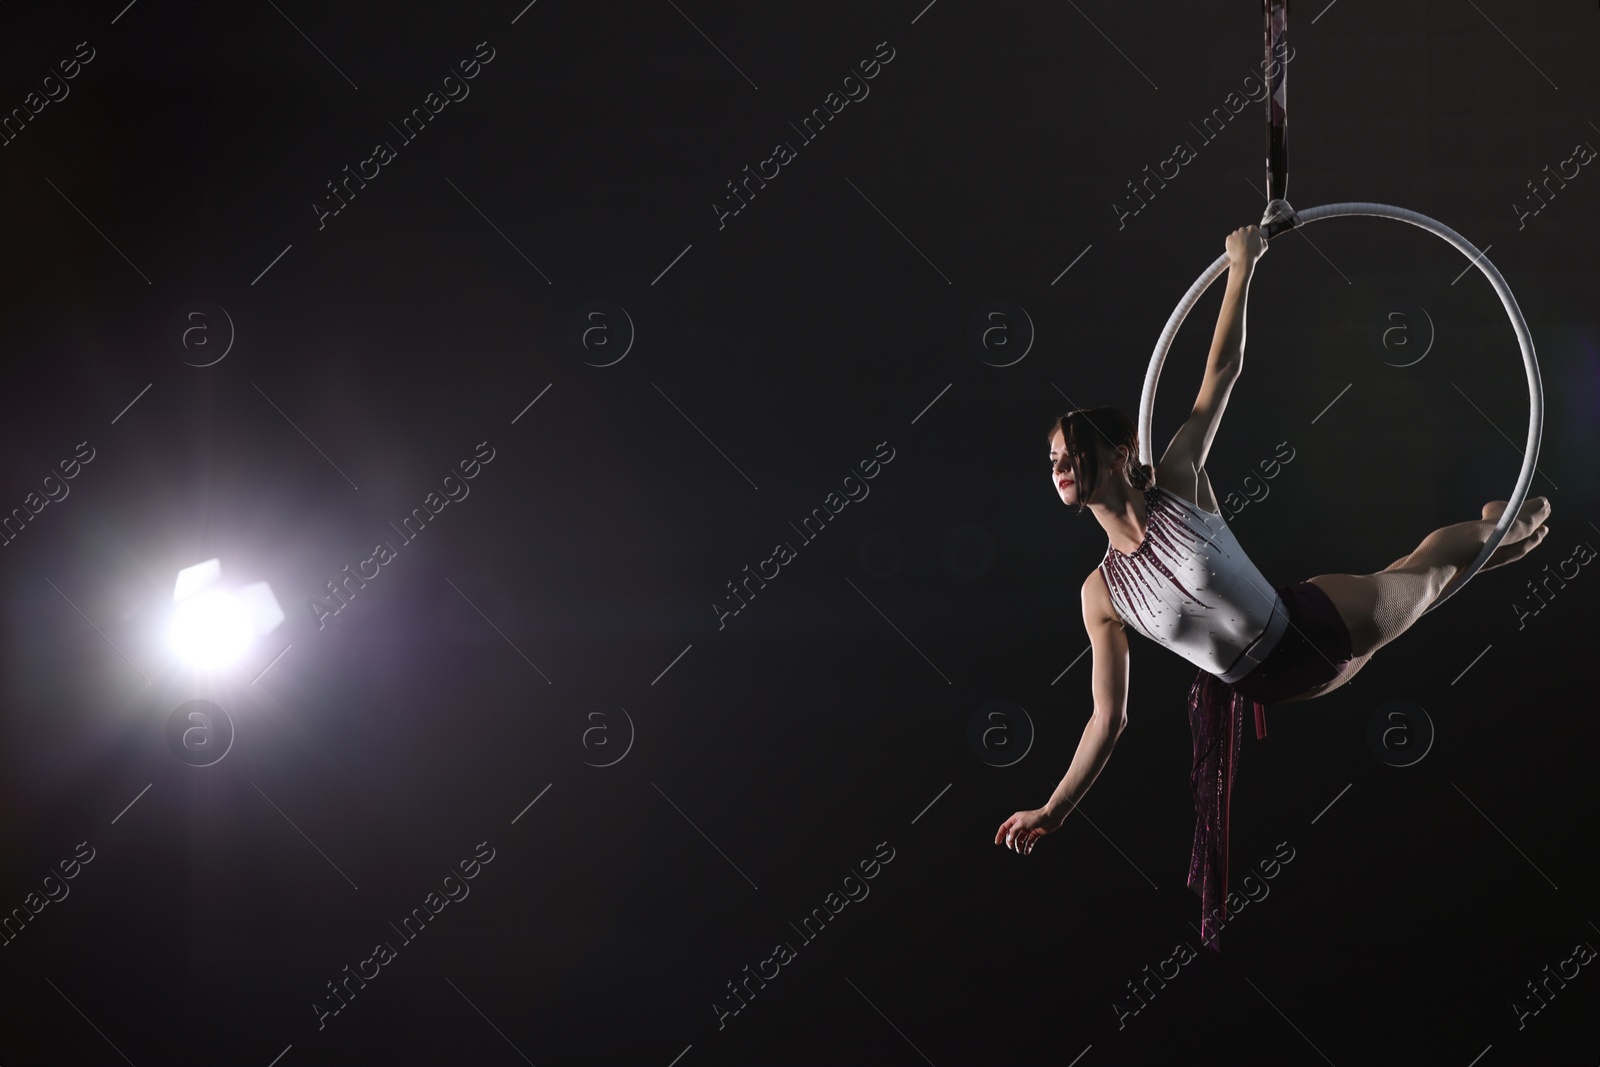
x=1023, y=830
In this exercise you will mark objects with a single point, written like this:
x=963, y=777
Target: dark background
x=776, y=352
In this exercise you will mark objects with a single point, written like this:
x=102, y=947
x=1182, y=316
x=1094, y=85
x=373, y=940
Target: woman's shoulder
x=1097, y=604
x=1195, y=492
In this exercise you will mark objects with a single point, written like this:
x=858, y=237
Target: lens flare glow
x=210, y=629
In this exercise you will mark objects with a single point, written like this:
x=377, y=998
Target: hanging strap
x=1276, y=13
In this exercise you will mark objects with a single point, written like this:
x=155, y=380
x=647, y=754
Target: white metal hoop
x=1530, y=455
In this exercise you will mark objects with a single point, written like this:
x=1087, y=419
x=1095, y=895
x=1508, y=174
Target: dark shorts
x=1314, y=648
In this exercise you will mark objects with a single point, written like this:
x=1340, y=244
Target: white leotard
x=1190, y=588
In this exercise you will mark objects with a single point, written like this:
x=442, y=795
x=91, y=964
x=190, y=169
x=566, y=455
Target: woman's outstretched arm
x=1244, y=246
x=1109, y=649
x=1190, y=446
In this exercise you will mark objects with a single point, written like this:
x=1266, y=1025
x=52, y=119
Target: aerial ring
x=1530, y=454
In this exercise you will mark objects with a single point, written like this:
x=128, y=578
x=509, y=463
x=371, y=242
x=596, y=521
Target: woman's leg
x=1508, y=551
x=1377, y=608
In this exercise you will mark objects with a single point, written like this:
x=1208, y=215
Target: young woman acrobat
x=1174, y=572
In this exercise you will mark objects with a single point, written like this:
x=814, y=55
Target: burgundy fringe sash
x=1216, y=718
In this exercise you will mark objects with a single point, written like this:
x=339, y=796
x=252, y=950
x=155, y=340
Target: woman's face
x=1061, y=470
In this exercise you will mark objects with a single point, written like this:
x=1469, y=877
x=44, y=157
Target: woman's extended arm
x=1192, y=443
x=1109, y=646
x=1244, y=245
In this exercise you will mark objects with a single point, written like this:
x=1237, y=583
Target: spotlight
x=212, y=626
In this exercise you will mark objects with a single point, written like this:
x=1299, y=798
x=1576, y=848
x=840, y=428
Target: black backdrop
x=558, y=231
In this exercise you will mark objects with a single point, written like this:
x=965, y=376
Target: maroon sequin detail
x=1167, y=529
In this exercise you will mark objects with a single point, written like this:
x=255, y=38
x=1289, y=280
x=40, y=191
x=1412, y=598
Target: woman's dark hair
x=1092, y=437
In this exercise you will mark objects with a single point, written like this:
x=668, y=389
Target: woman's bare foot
x=1535, y=510
x=1507, y=553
